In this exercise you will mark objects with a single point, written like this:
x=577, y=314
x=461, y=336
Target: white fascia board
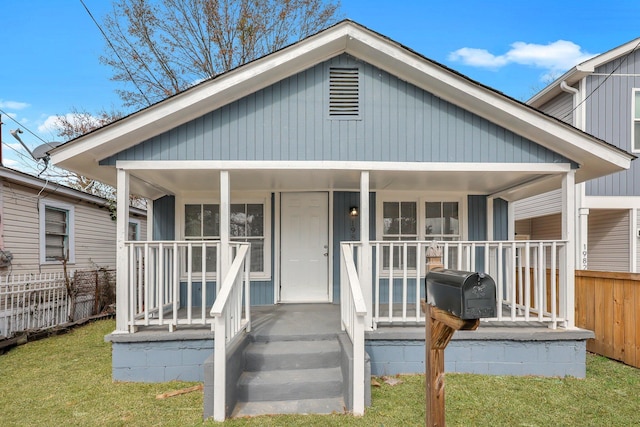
x=543, y=168
x=611, y=202
x=208, y=96
x=590, y=65
x=494, y=107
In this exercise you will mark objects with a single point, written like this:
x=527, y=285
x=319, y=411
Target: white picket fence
x=32, y=301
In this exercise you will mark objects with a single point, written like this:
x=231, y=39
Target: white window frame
x=136, y=222
x=214, y=199
x=70, y=209
x=634, y=120
x=420, y=199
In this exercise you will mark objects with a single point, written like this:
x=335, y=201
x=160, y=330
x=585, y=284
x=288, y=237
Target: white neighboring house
x=41, y=221
x=602, y=97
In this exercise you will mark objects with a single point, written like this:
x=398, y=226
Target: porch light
x=353, y=211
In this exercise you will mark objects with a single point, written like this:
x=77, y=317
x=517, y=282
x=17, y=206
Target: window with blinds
x=344, y=92
x=56, y=234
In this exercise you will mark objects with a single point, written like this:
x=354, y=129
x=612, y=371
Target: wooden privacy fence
x=608, y=303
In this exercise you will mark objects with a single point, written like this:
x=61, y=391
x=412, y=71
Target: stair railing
x=231, y=315
x=353, y=311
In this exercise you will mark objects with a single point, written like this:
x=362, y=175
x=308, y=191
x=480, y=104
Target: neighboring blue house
x=339, y=159
x=602, y=97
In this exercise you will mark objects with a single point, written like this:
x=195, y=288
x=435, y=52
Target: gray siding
x=164, y=218
x=500, y=219
x=288, y=121
x=608, y=240
x=609, y=118
x=540, y=205
x=560, y=107
x=347, y=229
x=477, y=216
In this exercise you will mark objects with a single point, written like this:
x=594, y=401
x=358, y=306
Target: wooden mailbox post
x=440, y=327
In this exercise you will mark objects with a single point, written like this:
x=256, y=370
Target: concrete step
x=298, y=406
x=295, y=384
x=288, y=355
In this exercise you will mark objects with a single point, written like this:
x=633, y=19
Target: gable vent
x=344, y=98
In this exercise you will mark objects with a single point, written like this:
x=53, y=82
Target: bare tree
x=159, y=48
x=75, y=124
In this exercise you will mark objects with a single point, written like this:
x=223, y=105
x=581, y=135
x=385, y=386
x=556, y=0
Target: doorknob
x=326, y=254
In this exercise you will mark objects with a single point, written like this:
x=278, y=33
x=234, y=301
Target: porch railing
x=231, y=315
x=173, y=283
x=527, y=275
x=353, y=310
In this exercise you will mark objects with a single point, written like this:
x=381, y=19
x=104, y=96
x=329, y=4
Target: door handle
x=326, y=254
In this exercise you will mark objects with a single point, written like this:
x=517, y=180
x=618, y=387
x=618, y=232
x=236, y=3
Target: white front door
x=304, y=275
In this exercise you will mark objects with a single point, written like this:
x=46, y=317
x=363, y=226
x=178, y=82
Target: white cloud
x=555, y=57
x=50, y=124
x=10, y=163
x=13, y=105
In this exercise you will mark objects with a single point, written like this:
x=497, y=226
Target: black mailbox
x=464, y=294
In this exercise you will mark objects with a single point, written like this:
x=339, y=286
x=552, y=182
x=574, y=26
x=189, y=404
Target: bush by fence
x=38, y=301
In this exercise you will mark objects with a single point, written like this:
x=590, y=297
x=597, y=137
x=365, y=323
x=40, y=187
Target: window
x=417, y=219
x=400, y=222
x=202, y=222
x=134, y=230
x=635, y=129
x=56, y=232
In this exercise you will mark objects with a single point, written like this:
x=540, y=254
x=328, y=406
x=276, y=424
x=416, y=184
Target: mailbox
x=464, y=294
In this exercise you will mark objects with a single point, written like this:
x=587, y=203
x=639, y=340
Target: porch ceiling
x=472, y=181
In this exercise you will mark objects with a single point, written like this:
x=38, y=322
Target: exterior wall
x=609, y=240
x=500, y=219
x=542, y=228
x=289, y=121
x=635, y=235
x=560, y=107
x=145, y=358
x=540, y=205
x=347, y=229
x=608, y=116
x=164, y=218
x=95, y=231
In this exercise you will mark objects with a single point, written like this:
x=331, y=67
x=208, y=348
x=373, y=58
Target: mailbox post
x=456, y=300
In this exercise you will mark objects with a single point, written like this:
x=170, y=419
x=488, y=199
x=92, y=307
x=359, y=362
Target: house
x=599, y=96
x=304, y=189
x=41, y=223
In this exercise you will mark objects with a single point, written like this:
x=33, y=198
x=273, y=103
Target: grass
x=66, y=380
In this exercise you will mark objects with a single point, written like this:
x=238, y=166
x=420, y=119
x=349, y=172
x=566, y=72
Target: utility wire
x=617, y=67
x=124, y=65
x=23, y=126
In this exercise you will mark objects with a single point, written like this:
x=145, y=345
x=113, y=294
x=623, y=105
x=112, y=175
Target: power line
x=22, y=126
x=616, y=68
x=124, y=65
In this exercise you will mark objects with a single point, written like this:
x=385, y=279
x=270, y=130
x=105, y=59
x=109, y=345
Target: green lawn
x=66, y=380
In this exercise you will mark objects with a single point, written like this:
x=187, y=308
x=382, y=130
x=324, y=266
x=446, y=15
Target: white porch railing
x=171, y=283
x=231, y=317
x=31, y=301
x=353, y=310
x=528, y=275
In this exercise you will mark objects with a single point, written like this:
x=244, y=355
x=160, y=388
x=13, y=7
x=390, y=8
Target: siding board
x=398, y=122
x=609, y=240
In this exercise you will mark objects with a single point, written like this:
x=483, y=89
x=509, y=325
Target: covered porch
x=378, y=283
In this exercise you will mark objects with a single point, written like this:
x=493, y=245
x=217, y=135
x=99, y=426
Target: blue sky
x=50, y=49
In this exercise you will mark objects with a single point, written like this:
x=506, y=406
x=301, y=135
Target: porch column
x=225, y=225
x=567, y=254
x=122, y=276
x=149, y=230
x=365, y=257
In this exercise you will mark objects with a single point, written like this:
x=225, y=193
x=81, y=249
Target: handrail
x=354, y=281
x=228, y=322
x=353, y=311
x=229, y=281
